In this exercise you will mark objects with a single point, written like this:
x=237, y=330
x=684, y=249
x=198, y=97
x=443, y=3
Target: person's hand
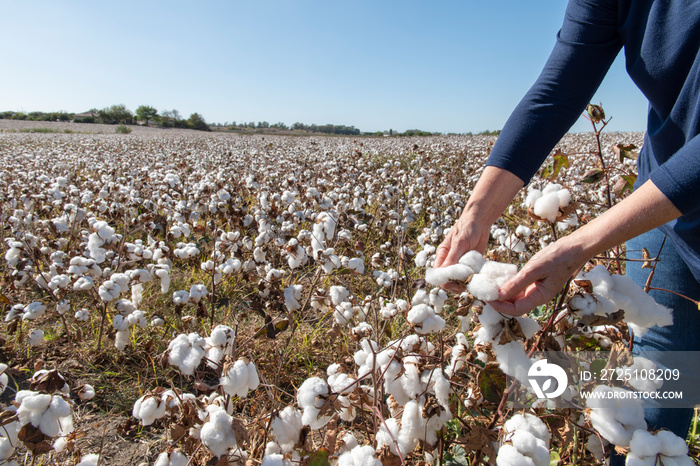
x=541, y=278
x=463, y=237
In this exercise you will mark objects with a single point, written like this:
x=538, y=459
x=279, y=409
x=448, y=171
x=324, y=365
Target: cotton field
x=223, y=299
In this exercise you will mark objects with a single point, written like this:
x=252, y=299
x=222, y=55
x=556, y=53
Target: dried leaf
x=647, y=259
x=624, y=151
x=608, y=319
x=34, y=439
x=50, y=382
x=480, y=439
x=511, y=332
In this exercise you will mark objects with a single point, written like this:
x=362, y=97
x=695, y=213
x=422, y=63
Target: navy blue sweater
x=661, y=41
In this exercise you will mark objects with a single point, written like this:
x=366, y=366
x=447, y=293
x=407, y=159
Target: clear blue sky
x=449, y=66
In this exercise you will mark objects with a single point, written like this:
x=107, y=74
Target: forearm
x=546, y=273
x=645, y=209
x=493, y=192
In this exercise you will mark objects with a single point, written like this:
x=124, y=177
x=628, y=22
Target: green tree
x=197, y=121
x=146, y=112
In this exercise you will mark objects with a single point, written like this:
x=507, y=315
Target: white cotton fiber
x=486, y=284
x=473, y=260
x=441, y=275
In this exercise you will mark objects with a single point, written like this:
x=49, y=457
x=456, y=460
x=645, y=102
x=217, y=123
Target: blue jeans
x=684, y=335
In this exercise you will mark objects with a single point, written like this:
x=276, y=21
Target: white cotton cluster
x=511, y=356
x=91, y=459
x=217, y=432
x=176, y=458
x=612, y=292
x=186, y=352
x=49, y=413
x=240, y=378
x=389, y=309
x=441, y=275
x=663, y=447
x=33, y=311
x=415, y=426
x=128, y=317
x=35, y=337
x=312, y=396
x=3, y=377
x=527, y=440
x=342, y=385
x=488, y=279
x=426, y=257
x=424, y=319
x=186, y=251
x=636, y=375
x=103, y=234
x=286, y=427
x=614, y=415
x=323, y=231
x=219, y=344
x=458, y=355
x=359, y=456
x=546, y=204
x=8, y=440
x=86, y=392
x=292, y=295
x=149, y=407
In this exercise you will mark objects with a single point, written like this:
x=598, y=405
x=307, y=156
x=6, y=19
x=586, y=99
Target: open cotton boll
x=35, y=337
x=508, y=455
x=186, y=352
x=148, y=408
x=486, y=284
x=641, y=311
x=359, y=456
x=240, y=378
x=286, y=427
x=513, y=360
x=339, y=294
x=664, y=447
x=217, y=432
x=641, y=366
x=3, y=377
x=441, y=275
x=91, y=459
x=311, y=396
x=474, y=260
x=387, y=435
x=424, y=319
x=176, y=458
x=617, y=417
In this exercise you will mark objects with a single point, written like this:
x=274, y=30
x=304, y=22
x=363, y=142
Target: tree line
x=118, y=114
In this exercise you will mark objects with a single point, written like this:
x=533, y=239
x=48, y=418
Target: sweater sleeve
x=678, y=177
x=586, y=46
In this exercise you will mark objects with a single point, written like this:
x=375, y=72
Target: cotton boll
x=89, y=460
x=217, y=433
x=186, y=352
x=311, y=396
x=387, y=434
x=176, y=458
x=513, y=360
x=286, y=427
x=359, y=456
x=35, y=337
x=615, y=418
x=339, y=294
x=483, y=288
x=148, y=408
x=240, y=378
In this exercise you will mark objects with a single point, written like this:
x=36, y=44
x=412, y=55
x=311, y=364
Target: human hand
x=463, y=237
x=544, y=275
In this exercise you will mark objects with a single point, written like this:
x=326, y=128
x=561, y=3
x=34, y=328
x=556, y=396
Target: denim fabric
x=671, y=273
